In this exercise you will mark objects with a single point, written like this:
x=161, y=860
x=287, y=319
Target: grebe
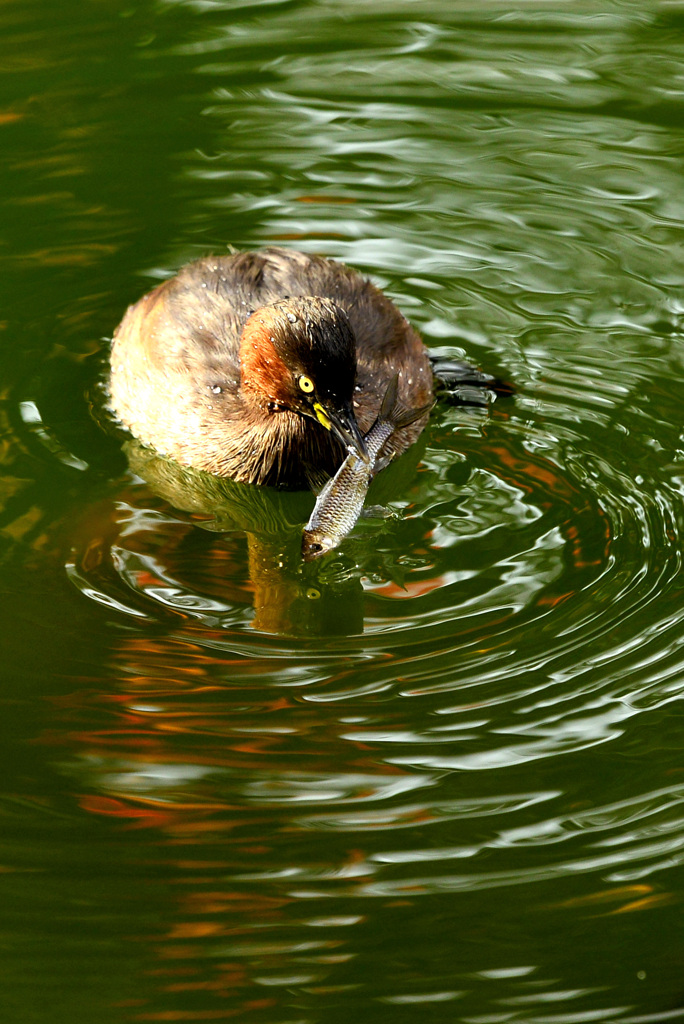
x=266, y=367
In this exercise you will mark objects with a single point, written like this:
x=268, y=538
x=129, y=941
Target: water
x=440, y=774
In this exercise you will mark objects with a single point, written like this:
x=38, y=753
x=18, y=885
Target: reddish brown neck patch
x=263, y=373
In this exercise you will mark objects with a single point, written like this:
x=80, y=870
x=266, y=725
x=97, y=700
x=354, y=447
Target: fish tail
x=389, y=401
x=396, y=414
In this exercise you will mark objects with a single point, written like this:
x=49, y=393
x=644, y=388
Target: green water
x=440, y=775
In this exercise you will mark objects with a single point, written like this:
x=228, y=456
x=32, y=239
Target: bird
x=266, y=367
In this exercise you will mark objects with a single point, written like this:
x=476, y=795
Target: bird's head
x=299, y=355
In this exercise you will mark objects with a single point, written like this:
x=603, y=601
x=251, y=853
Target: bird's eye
x=306, y=384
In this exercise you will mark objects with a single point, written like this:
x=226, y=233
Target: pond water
x=438, y=775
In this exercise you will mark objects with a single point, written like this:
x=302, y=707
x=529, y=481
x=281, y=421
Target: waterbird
x=266, y=367
x=340, y=503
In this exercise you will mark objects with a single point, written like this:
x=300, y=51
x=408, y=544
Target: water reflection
x=195, y=565
x=287, y=843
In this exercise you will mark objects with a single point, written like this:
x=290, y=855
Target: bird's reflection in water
x=291, y=600
x=289, y=597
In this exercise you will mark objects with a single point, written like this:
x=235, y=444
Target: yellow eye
x=306, y=384
x=313, y=593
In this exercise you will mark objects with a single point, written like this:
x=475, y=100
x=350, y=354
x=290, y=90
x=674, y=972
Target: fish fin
x=324, y=488
x=379, y=512
x=382, y=463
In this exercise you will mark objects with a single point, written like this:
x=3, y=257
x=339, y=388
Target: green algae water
x=440, y=774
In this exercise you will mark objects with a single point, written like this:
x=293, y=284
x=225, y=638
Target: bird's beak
x=342, y=423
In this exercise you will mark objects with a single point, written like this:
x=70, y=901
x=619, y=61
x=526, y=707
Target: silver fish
x=339, y=504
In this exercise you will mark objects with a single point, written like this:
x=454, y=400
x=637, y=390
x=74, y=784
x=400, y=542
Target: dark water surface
x=439, y=776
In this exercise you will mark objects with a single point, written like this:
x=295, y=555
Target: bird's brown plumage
x=206, y=367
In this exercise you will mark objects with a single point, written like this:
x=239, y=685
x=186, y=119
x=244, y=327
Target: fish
x=339, y=504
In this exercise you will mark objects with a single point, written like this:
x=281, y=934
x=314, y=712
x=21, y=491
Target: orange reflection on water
x=639, y=897
x=411, y=588
x=547, y=485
